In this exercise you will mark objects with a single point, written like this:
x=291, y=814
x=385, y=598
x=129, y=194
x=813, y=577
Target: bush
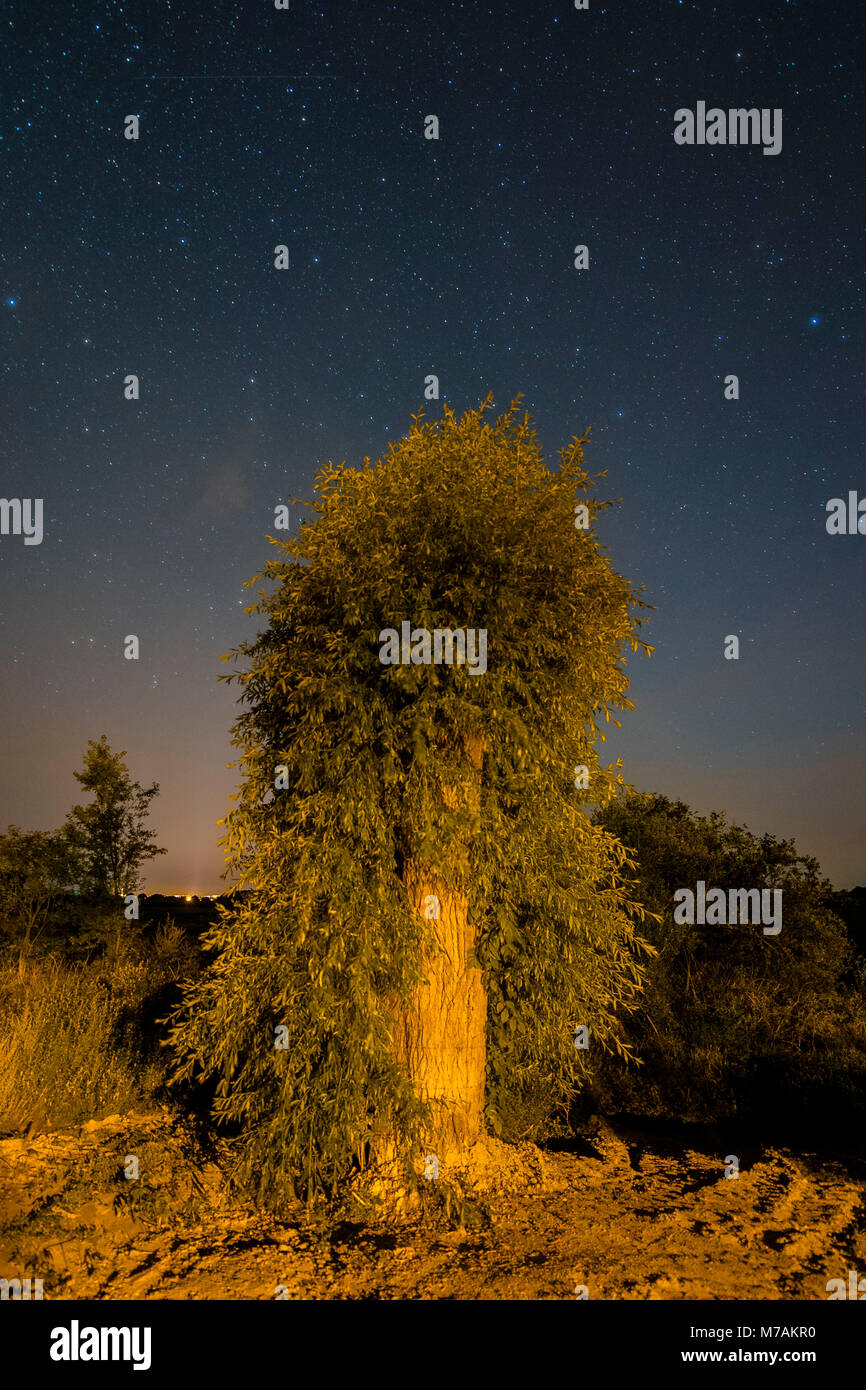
x=732, y=1022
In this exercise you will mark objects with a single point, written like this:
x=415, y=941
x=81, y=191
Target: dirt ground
x=623, y=1215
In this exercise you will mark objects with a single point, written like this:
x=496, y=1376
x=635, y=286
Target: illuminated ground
x=639, y=1219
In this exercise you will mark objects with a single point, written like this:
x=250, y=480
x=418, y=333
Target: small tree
x=110, y=833
x=432, y=915
x=35, y=866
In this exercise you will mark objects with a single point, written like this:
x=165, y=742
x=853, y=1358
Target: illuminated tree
x=432, y=912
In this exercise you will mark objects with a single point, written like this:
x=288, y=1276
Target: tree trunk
x=441, y=1037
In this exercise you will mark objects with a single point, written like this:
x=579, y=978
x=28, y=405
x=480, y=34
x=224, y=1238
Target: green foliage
x=731, y=1020
x=461, y=525
x=559, y=950
x=109, y=834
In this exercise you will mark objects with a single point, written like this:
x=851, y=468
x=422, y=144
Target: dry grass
x=63, y=1060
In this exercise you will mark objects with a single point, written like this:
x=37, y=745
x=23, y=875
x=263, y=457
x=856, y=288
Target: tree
x=430, y=908
x=35, y=866
x=110, y=833
x=730, y=1019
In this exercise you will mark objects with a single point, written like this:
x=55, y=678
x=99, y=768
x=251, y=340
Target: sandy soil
x=623, y=1214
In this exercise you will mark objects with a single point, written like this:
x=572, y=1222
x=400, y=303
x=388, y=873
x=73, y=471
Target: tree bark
x=441, y=1037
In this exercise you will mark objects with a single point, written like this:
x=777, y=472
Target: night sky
x=409, y=256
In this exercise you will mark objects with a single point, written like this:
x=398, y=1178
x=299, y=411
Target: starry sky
x=409, y=256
